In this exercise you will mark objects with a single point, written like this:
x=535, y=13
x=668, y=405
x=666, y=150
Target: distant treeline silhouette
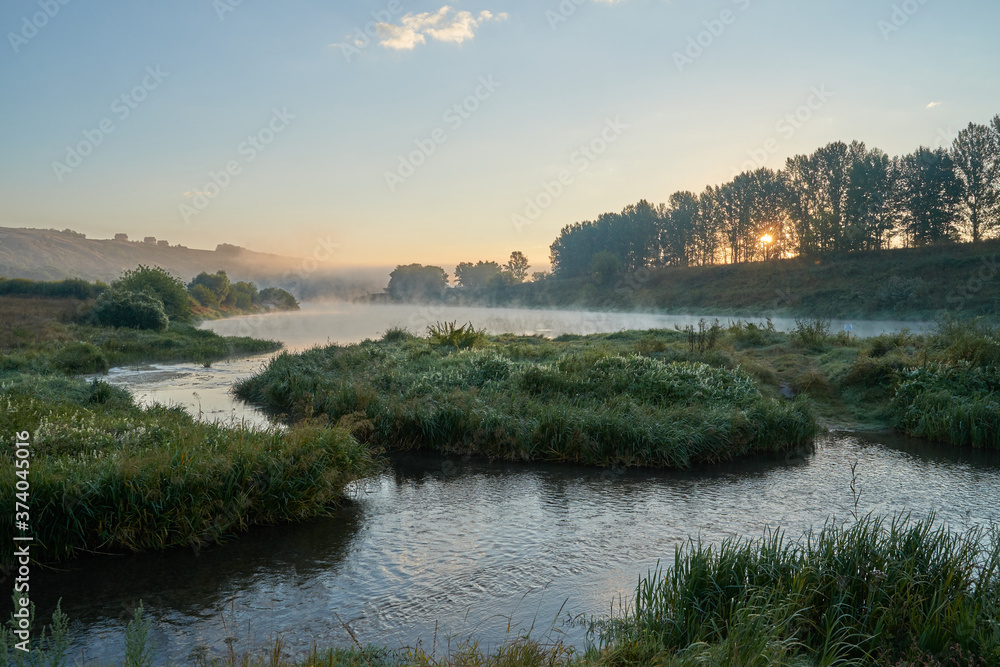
x=842, y=198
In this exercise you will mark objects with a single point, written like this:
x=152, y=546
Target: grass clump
x=459, y=337
x=874, y=592
x=588, y=400
x=959, y=404
x=110, y=476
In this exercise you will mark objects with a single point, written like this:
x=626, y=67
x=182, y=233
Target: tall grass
x=109, y=476
x=874, y=592
x=525, y=398
x=953, y=395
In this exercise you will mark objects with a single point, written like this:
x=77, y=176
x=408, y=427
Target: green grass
x=91, y=349
x=646, y=398
x=878, y=591
x=109, y=476
x=593, y=400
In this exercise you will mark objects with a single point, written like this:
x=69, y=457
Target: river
x=437, y=550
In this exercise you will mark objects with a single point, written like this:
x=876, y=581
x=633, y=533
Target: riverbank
x=109, y=476
x=921, y=283
x=659, y=397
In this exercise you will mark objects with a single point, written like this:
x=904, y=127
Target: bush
x=279, y=299
x=813, y=334
x=217, y=283
x=748, y=334
x=204, y=296
x=82, y=358
x=168, y=289
x=124, y=309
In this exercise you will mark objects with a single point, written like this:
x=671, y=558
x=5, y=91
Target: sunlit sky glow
x=334, y=102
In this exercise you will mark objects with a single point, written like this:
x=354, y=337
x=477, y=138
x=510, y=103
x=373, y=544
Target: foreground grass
x=110, y=476
x=591, y=400
x=897, y=592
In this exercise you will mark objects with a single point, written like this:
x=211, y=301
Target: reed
x=878, y=591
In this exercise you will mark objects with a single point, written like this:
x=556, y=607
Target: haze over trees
x=841, y=198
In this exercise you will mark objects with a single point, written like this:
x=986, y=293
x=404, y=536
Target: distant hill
x=48, y=254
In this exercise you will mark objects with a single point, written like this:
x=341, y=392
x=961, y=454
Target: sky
x=401, y=131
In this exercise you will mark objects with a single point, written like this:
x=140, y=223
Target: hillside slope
x=908, y=283
x=45, y=254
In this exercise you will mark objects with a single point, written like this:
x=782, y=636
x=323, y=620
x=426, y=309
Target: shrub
x=204, y=296
x=168, y=289
x=748, y=334
x=813, y=334
x=217, y=283
x=124, y=309
x=397, y=335
x=279, y=299
x=82, y=358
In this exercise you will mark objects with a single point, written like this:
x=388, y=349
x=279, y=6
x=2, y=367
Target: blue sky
x=272, y=125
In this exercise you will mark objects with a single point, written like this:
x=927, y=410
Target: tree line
x=841, y=198
x=416, y=282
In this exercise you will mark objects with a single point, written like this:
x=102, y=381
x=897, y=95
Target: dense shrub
x=217, y=283
x=169, y=290
x=126, y=309
x=279, y=299
x=204, y=296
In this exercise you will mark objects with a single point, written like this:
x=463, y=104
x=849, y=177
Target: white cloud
x=441, y=25
x=932, y=105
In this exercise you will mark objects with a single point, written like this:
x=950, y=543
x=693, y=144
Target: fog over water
x=321, y=323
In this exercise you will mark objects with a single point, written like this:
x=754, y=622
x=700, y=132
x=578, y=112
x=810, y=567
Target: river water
x=437, y=550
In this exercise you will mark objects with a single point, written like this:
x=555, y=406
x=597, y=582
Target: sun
x=766, y=238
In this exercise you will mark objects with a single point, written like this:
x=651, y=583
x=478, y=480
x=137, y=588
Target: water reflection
x=197, y=594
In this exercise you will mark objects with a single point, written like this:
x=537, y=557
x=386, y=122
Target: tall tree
x=638, y=231
x=478, y=275
x=518, y=266
x=680, y=219
x=930, y=194
x=705, y=235
x=416, y=282
x=976, y=154
x=732, y=209
x=767, y=231
x=872, y=212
